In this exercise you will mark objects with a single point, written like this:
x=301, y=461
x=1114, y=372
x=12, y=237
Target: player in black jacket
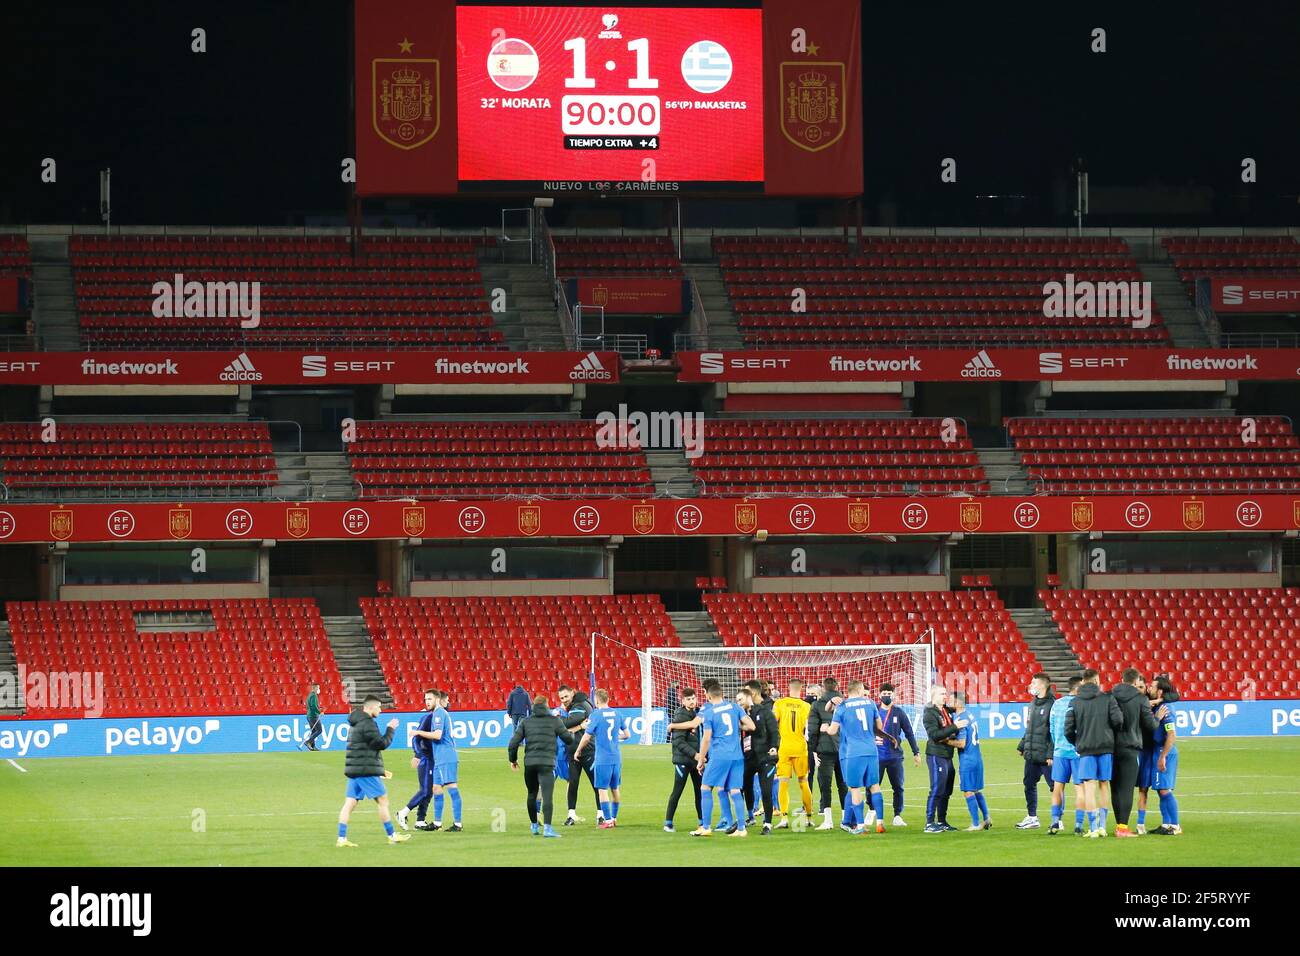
x=578, y=706
x=684, y=732
x=760, y=747
x=824, y=751
x=1090, y=725
x=941, y=727
x=539, y=732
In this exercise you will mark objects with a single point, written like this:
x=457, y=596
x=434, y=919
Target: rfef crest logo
x=413, y=521
x=180, y=522
x=970, y=515
x=530, y=519
x=813, y=104
x=746, y=518
x=643, y=518
x=405, y=108
x=297, y=522
x=1193, y=515
x=61, y=524
x=1081, y=515
x=859, y=517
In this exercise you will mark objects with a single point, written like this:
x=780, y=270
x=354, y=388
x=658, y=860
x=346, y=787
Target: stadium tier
x=15, y=257
x=479, y=648
x=616, y=255
x=181, y=657
x=1253, y=256
x=844, y=456
x=485, y=459
x=973, y=631
x=137, y=459
x=1215, y=643
x=409, y=292
x=1067, y=455
x=921, y=291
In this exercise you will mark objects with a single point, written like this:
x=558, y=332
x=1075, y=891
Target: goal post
x=666, y=671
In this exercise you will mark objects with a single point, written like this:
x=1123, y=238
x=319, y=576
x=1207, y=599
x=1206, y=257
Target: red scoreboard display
x=738, y=97
x=629, y=97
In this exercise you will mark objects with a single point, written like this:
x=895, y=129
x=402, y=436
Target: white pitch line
x=16, y=767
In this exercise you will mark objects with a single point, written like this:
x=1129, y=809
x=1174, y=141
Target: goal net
x=667, y=671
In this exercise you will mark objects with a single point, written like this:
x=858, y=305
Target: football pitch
x=1239, y=800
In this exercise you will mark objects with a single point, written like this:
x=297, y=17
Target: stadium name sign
x=1014, y=365
x=256, y=521
x=25, y=739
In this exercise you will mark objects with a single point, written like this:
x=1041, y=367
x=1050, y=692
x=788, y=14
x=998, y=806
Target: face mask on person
x=886, y=699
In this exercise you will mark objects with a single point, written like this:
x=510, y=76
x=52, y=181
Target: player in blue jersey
x=721, y=760
x=1164, y=775
x=856, y=722
x=422, y=762
x=446, y=766
x=1065, y=760
x=971, y=773
x=605, y=728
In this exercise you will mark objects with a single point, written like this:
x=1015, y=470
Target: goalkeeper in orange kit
x=792, y=756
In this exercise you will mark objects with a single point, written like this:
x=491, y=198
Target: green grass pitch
x=1240, y=803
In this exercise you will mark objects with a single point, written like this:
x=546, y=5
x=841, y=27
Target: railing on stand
x=506, y=238
x=1205, y=313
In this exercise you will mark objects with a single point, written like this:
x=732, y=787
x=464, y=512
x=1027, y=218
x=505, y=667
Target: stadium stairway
x=695, y=629
x=355, y=655
x=330, y=475
x=1170, y=299
x=724, y=333
x=671, y=473
x=530, y=321
x=1048, y=644
x=8, y=667
x=55, y=310
x=1005, y=474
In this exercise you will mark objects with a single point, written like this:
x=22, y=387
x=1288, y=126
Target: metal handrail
x=281, y=421
x=358, y=487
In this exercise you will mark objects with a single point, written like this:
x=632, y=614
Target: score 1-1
x=581, y=81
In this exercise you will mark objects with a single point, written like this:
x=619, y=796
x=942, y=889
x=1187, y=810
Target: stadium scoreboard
x=505, y=99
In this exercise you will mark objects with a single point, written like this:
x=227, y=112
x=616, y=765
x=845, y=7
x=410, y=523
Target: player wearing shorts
x=971, y=773
x=1090, y=725
x=606, y=729
x=721, y=760
x=1065, y=760
x=856, y=723
x=363, y=765
x=1164, y=774
x=791, y=714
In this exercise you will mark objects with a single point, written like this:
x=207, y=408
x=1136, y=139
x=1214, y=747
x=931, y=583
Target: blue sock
x=388, y=827
x=455, y=804
x=738, y=803
x=343, y=831
x=1078, y=819
x=1101, y=816
x=1092, y=819
x=615, y=806
x=605, y=811
x=984, y=804
x=1142, y=817
x=878, y=804
x=1173, y=809
x=1058, y=811
x=706, y=809
x=974, y=807
x=437, y=807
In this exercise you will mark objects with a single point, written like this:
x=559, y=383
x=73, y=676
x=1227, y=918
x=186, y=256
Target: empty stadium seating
x=398, y=292
x=616, y=255
x=920, y=291
x=253, y=656
x=1215, y=643
x=1241, y=256
x=488, y=459
x=1067, y=455
x=15, y=257
x=479, y=648
x=233, y=458
x=973, y=632
x=797, y=456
